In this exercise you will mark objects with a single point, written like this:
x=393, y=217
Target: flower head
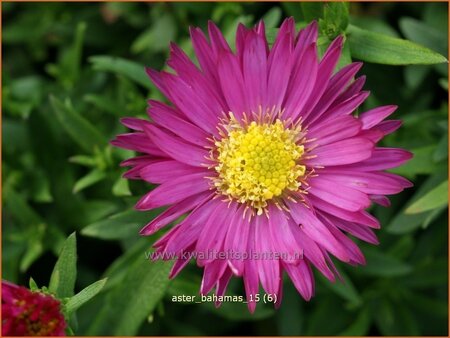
x=26, y=313
x=261, y=150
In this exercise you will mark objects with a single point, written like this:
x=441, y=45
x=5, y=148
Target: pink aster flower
x=261, y=151
x=26, y=313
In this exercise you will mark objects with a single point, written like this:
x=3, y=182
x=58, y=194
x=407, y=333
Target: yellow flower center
x=258, y=162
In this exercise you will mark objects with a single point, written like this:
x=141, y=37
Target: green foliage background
x=71, y=70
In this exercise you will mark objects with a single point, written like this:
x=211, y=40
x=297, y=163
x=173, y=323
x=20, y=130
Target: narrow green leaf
x=33, y=230
x=79, y=129
x=381, y=264
x=271, y=35
x=272, y=17
x=322, y=313
x=238, y=311
x=425, y=304
x=335, y=19
x=378, y=48
x=84, y=296
x=344, y=289
x=436, y=198
x=424, y=34
x=394, y=319
x=361, y=325
x=432, y=275
x=91, y=178
x=95, y=210
x=431, y=216
x=62, y=280
x=421, y=163
x=121, y=225
x=293, y=9
x=118, y=270
x=130, y=69
x=291, y=315
x=137, y=296
x=18, y=206
x=441, y=152
x=415, y=75
x=33, y=285
x=377, y=25
x=121, y=187
x=229, y=31
x=403, y=223
x=402, y=248
x=187, y=284
x=73, y=56
x=157, y=37
x=102, y=103
x=34, y=249
x=84, y=160
x=346, y=57
x=312, y=10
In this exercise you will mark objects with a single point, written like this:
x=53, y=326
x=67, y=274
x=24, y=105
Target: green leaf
x=239, y=312
x=186, y=284
x=377, y=25
x=394, y=319
x=118, y=270
x=67, y=71
x=272, y=18
x=293, y=9
x=291, y=316
x=33, y=285
x=335, y=19
x=121, y=187
x=424, y=35
x=383, y=265
x=229, y=32
x=33, y=231
x=403, y=223
x=421, y=163
x=403, y=247
x=344, y=289
x=62, y=280
x=424, y=304
x=378, y=48
x=84, y=296
x=95, y=210
x=84, y=160
x=103, y=103
x=415, y=75
x=157, y=37
x=312, y=10
x=432, y=275
x=91, y=178
x=137, y=296
x=361, y=325
x=444, y=83
x=79, y=129
x=121, y=225
x=130, y=69
x=18, y=206
x=73, y=56
x=346, y=57
x=322, y=313
x=436, y=198
x=441, y=152
x=35, y=247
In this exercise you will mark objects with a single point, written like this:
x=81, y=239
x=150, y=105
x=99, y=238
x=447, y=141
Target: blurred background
x=71, y=70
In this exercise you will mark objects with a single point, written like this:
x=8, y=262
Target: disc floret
x=258, y=162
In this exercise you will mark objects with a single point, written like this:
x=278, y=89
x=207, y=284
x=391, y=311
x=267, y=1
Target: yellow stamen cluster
x=258, y=162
